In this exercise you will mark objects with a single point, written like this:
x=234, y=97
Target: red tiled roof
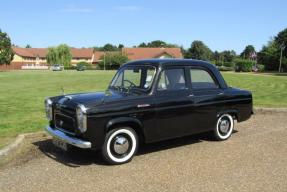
x=82, y=53
x=145, y=53
x=22, y=52
x=42, y=52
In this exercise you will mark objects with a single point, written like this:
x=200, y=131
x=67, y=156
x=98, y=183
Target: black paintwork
x=169, y=114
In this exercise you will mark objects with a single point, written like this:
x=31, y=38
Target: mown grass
x=22, y=94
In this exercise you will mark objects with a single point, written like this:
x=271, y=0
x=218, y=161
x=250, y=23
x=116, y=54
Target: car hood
x=89, y=99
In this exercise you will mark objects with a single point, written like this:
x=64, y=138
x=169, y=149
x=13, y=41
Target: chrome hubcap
x=121, y=145
x=224, y=126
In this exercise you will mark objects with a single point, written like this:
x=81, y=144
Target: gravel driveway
x=254, y=159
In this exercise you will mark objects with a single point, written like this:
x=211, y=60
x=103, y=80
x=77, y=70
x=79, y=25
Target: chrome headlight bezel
x=48, y=109
x=81, y=115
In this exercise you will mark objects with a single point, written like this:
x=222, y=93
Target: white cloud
x=127, y=8
x=74, y=9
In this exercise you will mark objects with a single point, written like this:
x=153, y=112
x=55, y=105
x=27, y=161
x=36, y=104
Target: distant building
x=36, y=57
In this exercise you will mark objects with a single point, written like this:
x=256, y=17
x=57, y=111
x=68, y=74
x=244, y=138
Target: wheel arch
x=131, y=122
x=233, y=112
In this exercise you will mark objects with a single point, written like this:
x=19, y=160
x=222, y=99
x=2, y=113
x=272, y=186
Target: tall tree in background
x=199, y=50
x=59, y=55
x=28, y=46
x=109, y=47
x=52, y=56
x=6, y=52
x=64, y=55
x=248, y=52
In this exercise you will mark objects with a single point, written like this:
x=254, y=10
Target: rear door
x=207, y=98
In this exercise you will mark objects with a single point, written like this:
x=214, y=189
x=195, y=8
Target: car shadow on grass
x=76, y=157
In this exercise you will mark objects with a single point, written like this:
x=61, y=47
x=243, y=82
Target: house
x=35, y=58
x=145, y=53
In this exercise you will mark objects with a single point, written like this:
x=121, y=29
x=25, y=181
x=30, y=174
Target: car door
x=172, y=103
x=206, y=97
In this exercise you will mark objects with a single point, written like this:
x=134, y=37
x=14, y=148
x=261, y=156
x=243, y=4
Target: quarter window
x=172, y=79
x=201, y=79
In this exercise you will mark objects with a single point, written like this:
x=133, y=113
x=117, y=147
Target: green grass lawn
x=22, y=94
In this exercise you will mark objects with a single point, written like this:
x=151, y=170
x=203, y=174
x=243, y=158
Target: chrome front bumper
x=68, y=139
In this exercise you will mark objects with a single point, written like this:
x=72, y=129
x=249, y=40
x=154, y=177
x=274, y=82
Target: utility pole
x=282, y=49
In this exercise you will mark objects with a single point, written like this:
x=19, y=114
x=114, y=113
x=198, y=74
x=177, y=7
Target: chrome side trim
x=68, y=139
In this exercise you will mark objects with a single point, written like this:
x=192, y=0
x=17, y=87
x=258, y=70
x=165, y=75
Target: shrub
x=223, y=68
x=260, y=67
x=112, y=60
x=83, y=63
x=228, y=64
x=219, y=63
x=243, y=65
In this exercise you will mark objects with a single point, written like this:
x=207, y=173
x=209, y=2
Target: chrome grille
x=65, y=123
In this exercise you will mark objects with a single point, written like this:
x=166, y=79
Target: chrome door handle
x=143, y=105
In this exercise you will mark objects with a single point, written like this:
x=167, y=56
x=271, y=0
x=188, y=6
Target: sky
x=221, y=25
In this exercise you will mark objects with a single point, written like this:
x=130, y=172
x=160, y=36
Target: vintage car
x=148, y=101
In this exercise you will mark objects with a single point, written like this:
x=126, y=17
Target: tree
x=269, y=56
x=59, y=55
x=248, y=52
x=6, y=51
x=157, y=43
x=228, y=56
x=112, y=60
x=121, y=46
x=109, y=47
x=28, y=46
x=52, y=56
x=64, y=55
x=199, y=50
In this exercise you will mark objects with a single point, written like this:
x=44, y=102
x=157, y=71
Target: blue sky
x=221, y=24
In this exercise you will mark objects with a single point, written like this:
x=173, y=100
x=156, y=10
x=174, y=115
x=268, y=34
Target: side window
x=171, y=80
x=201, y=79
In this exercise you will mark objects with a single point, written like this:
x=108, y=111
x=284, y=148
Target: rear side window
x=171, y=79
x=201, y=79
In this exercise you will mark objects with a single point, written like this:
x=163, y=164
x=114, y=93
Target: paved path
x=254, y=159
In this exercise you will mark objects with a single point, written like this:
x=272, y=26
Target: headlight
x=48, y=109
x=82, y=118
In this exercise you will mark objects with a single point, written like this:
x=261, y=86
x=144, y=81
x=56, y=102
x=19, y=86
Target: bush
x=112, y=60
x=219, y=63
x=223, y=68
x=260, y=67
x=243, y=65
x=228, y=64
x=85, y=64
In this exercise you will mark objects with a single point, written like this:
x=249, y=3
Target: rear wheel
x=224, y=127
x=120, y=145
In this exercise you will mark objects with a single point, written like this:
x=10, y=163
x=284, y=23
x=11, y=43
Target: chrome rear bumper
x=68, y=139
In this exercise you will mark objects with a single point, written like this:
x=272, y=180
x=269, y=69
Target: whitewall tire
x=120, y=145
x=224, y=127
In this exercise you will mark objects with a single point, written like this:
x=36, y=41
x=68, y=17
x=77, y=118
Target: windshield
x=134, y=78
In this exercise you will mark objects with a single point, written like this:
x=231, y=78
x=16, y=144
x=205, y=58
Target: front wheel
x=224, y=127
x=120, y=145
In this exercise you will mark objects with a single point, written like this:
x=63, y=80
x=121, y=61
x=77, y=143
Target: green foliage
x=111, y=61
x=224, y=68
x=228, y=64
x=6, y=52
x=260, y=67
x=243, y=65
x=199, y=50
x=59, y=55
x=270, y=56
x=28, y=46
x=157, y=43
x=247, y=52
x=84, y=64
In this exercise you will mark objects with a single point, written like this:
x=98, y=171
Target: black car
x=148, y=101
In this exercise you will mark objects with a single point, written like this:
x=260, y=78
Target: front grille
x=65, y=123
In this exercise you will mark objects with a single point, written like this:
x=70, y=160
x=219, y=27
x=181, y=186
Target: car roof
x=170, y=62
